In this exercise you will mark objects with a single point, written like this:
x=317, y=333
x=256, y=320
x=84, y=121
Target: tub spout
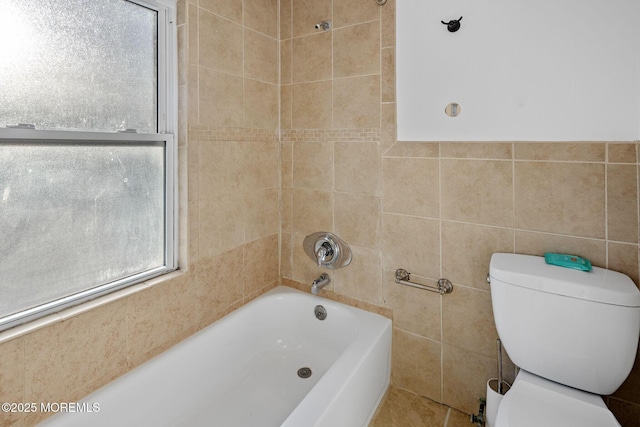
x=322, y=281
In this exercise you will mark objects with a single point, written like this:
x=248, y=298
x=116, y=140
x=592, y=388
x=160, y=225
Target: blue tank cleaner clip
x=568, y=261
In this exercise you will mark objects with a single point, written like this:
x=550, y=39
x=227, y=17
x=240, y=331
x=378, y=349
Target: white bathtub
x=243, y=371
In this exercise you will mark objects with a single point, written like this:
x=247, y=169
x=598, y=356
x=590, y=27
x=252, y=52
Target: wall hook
x=453, y=25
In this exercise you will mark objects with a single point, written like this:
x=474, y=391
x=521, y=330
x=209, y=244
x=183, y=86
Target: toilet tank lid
x=598, y=285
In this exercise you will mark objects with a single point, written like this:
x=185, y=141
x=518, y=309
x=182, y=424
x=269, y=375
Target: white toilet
x=573, y=334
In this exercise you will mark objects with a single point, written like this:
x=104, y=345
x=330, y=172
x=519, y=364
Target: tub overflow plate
x=320, y=312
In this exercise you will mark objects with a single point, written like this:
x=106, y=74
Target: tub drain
x=304, y=372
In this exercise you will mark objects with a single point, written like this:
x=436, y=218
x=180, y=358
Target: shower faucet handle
x=327, y=249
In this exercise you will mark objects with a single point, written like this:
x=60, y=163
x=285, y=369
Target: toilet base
x=534, y=401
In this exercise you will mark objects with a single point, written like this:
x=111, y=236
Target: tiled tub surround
x=441, y=210
x=244, y=371
x=427, y=207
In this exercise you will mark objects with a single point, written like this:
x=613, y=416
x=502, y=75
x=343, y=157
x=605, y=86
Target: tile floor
x=401, y=408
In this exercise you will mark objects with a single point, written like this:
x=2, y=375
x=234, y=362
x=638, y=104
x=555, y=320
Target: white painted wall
x=534, y=70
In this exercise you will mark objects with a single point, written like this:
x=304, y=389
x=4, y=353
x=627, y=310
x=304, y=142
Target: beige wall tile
x=221, y=99
x=194, y=233
x=306, y=14
x=261, y=214
x=388, y=74
x=477, y=191
x=261, y=264
x=286, y=163
x=259, y=164
x=624, y=258
x=193, y=171
x=465, y=376
x=313, y=165
x=192, y=11
x=416, y=364
x=260, y=105
x=159, y=317
x=411, y=243
x=66, y=356
x=193, y=93
x=622, y=203
x=230, y=9
x=219, y=285
x=357, y=219
x=261, y=16
x=312, y=211
x=286, y=64
x=565, y=198
x=356, y=50
x=12, y=378
x=260, y=57
x=621, y=153
x=221, y=224
x=411, y=186
x=286, y=255
x=414, y=149
x=356, y=102
x=286, y=201
x=311, y=105
x=286, y=19
x=467, y=321
x=220, y=168
x=286, y=107
x=311, y=58
x=477, y=150
x=388, y=17
x=357, y=167
x=467, y=250
x=362, y=279
x=388, y=126
x=220, y=43
x=414, y=310
x=349, y=12
x=562, y=151
x=532, y=243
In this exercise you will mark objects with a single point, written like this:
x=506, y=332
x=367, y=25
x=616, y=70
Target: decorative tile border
x=211, y=133
x=331, y=135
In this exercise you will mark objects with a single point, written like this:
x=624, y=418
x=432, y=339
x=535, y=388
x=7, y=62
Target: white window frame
x=167, y=133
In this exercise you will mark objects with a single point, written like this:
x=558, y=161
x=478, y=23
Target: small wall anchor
x=453, y=25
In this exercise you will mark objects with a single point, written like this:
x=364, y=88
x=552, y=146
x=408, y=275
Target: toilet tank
x=573, y=327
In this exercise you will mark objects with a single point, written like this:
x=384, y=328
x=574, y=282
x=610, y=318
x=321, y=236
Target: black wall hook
x=453, y=25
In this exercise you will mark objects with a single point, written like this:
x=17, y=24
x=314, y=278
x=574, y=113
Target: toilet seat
x=534, y=401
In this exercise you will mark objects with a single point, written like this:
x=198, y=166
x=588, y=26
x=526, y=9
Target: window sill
x=68, y=313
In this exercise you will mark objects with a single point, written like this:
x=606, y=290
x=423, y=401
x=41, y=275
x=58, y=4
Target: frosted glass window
x=79, y=64
x=75, y=216
x=87, y=150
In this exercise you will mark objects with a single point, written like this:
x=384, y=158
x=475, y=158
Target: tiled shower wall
x=434, y=209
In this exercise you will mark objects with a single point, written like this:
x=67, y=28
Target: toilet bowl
x=536, y=402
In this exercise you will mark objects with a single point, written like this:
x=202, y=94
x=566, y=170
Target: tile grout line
x=446, y=418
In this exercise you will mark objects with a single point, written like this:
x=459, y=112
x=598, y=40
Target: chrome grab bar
x=403, y=277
